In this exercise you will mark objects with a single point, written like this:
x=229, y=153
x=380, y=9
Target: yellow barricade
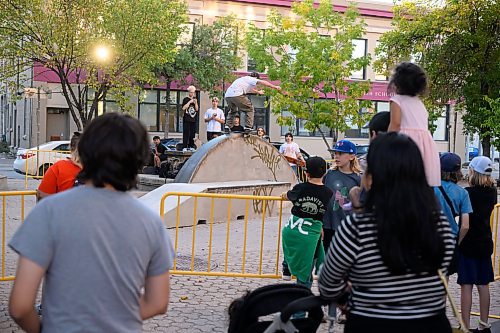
x=12, y=214
x=38, y=161
x=494, y=223
x=253, y=244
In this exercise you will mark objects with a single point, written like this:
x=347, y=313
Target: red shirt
x=59, y=177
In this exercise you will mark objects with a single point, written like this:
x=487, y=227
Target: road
x=6, y=168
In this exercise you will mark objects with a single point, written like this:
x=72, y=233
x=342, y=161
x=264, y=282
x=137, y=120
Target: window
x=362, y=131
x=359, y=51
x=148, y=109
x=186, y=36
x=380, y=76
x=442, y=129
x=382, y=106
x=299, y=128
x=357, y=131
x=173, y=116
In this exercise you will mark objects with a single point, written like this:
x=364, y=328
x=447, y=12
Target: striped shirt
x=376, y=292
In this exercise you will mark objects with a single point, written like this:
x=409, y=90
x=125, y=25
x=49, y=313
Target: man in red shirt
x=62, y=174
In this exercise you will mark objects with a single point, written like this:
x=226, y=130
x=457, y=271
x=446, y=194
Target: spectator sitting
x=158, y=153
x=96, y=247
x=261, y=133
x=237, y=127
x=61, y=175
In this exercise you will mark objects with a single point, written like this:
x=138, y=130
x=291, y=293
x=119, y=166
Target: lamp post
x=101, y=55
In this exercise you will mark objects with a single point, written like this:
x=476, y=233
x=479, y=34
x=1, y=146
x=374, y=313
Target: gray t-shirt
x=98, y=247
x=340, y=183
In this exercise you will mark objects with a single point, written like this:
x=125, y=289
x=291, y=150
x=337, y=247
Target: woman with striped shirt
x=388, y=257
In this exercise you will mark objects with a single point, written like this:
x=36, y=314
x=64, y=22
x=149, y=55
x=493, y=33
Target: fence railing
x=38, y=161
x=13, y=213
x=246, y=244
x=494, y=223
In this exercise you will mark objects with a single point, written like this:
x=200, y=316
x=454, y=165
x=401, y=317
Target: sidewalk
x=199, y=304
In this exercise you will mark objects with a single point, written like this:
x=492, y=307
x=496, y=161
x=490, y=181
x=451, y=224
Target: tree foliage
x=206, y=58
x=63, y=35
x=458, y=44
x=310, y=53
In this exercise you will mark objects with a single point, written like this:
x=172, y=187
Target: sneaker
x=482, y=327
x=226, y=129
x=341, y=318
x=248, y=129
x=484, y=330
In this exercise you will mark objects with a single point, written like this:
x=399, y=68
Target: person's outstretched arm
x=269, y=84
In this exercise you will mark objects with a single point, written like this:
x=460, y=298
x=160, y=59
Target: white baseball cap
x=481, y=164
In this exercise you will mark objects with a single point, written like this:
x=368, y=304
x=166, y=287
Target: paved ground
x=199, y=304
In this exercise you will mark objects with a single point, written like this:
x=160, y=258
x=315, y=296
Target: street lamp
x=102, y=53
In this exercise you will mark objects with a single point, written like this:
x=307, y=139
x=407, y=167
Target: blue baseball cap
x=450, y=162
x=345, y=146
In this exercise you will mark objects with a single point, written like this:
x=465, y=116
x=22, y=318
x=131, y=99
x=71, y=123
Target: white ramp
x=189, y=217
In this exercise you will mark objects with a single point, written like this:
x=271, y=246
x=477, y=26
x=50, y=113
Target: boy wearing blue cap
x=344, y=175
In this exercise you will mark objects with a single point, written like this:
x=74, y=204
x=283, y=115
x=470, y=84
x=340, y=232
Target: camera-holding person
x=214, y=117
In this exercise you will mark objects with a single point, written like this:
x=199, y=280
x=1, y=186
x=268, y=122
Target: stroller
x=282, y=301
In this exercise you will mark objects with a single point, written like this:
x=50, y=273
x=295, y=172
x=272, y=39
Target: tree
x=63, y=36
x=310, y=53
x=207, y=59
x=458, y=44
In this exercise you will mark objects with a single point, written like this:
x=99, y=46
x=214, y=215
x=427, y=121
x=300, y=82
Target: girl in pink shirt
x=409, y=116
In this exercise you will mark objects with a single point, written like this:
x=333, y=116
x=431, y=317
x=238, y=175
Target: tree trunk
x=486, y=144
x=324, y=138
x=72, y=104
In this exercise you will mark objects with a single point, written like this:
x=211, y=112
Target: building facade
x=19, y=126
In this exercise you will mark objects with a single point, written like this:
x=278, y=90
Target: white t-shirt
x=241, y=86
x=213, y=125
x=290, y=149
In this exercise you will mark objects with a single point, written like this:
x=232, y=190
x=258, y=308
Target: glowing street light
x=102, y=53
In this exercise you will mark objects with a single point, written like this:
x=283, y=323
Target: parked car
x=38, y=161
x=361, y=150
x=473, y=152
x=172, y=143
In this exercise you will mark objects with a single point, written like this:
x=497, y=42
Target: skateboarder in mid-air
x=238, y=101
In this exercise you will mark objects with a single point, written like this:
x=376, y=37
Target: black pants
x=210, y=135
x=188, y=132
x=361, y=324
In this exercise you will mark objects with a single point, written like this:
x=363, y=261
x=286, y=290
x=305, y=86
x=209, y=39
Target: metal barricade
x=495, y=258
x=38, y=162
x=13, y=212
x=254, y=242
